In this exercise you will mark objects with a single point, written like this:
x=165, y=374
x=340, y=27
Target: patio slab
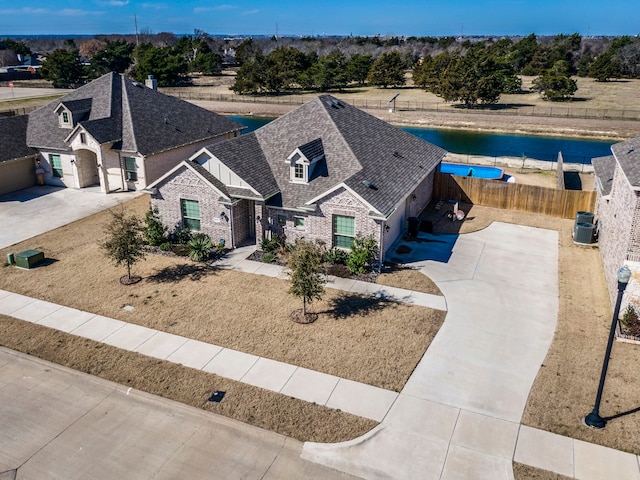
x=545, y=450
x=66, y=319
x=36, y=311
x=360, y=399
x=130, y=336
x=231, y=364
x=98, y=328
x=310, y=386
x=194, y=354
x=269, y=374
x=161, y=345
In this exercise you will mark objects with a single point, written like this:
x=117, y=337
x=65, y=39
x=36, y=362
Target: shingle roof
x=628, y=156
x=604, y=167
x=357, y=147
x=140, y=119
x=13, y=135
x=246, y=159
x=313, y=149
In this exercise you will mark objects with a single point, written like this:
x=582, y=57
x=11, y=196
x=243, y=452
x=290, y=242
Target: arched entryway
x=87, y=168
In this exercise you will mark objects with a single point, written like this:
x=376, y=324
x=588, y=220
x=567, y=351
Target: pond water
x=573, y=150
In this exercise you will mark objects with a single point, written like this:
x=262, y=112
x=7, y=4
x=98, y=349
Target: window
x=65, y=117
x=282, y=219
x=344, y=230
x=190, y=214
x=298, y=222
x=130, y=169
x=56, y=165
x=83, y=138
x=298, y=171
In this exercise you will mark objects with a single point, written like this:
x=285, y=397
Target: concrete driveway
x=458, y=415
x=61, y=424
x=35, y=210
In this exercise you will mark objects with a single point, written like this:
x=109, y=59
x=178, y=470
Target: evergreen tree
x=387, y=70
x=63, y=68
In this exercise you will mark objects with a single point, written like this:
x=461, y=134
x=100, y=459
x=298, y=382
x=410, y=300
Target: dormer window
x=299, y=167
x=64, y=118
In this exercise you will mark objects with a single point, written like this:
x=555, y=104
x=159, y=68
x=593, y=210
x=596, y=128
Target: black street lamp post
x=594, y=419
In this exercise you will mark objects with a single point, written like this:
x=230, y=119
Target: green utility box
x=29, y=258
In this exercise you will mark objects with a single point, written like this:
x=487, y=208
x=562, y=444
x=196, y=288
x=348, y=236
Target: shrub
x=630, y=321
x=155, y=232
x=165, y=246
x=200, y=247
x=270, y=245
x=363, y=253
x=336, y=256
x=220, y=246
x=181, y=235
x=268, y=257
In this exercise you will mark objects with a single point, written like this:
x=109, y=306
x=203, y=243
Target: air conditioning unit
x=584, y=233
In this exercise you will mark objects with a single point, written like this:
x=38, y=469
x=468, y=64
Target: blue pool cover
x=464, y=170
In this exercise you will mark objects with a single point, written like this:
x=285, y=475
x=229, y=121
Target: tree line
x=471, y=71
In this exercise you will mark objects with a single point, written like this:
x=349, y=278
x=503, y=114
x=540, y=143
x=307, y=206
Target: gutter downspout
x=380, y=259
x=233, y=235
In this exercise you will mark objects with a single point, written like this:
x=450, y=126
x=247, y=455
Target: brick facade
x=319, y=224
x=215, y=219
x=619, y=228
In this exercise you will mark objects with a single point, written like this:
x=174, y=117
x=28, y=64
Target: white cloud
x=74, y=12
x=251, y=12
x=24, y=10
x=114, y=3
x=154, y=6
x=216, y=8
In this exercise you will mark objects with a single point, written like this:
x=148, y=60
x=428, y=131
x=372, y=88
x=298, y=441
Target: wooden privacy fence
x=514, y=196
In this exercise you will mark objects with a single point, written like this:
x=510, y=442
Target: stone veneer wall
x=619, y=231
x=184, y=184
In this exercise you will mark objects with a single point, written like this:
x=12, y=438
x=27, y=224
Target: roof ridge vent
x=631, y=148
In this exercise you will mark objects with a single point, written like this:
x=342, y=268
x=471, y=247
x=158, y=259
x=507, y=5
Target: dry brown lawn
x=525, y=472
x=360, y=338
x=261, y=408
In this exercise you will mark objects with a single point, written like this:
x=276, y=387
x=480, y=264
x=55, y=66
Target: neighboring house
x=119, y=134
x=618, y=213
x=325, y=171
x=17, y=160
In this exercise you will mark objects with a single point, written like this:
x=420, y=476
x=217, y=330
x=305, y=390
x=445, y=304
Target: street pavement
x=61, y=424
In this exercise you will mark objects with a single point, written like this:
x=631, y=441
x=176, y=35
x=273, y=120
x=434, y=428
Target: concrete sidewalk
x=308, y=385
